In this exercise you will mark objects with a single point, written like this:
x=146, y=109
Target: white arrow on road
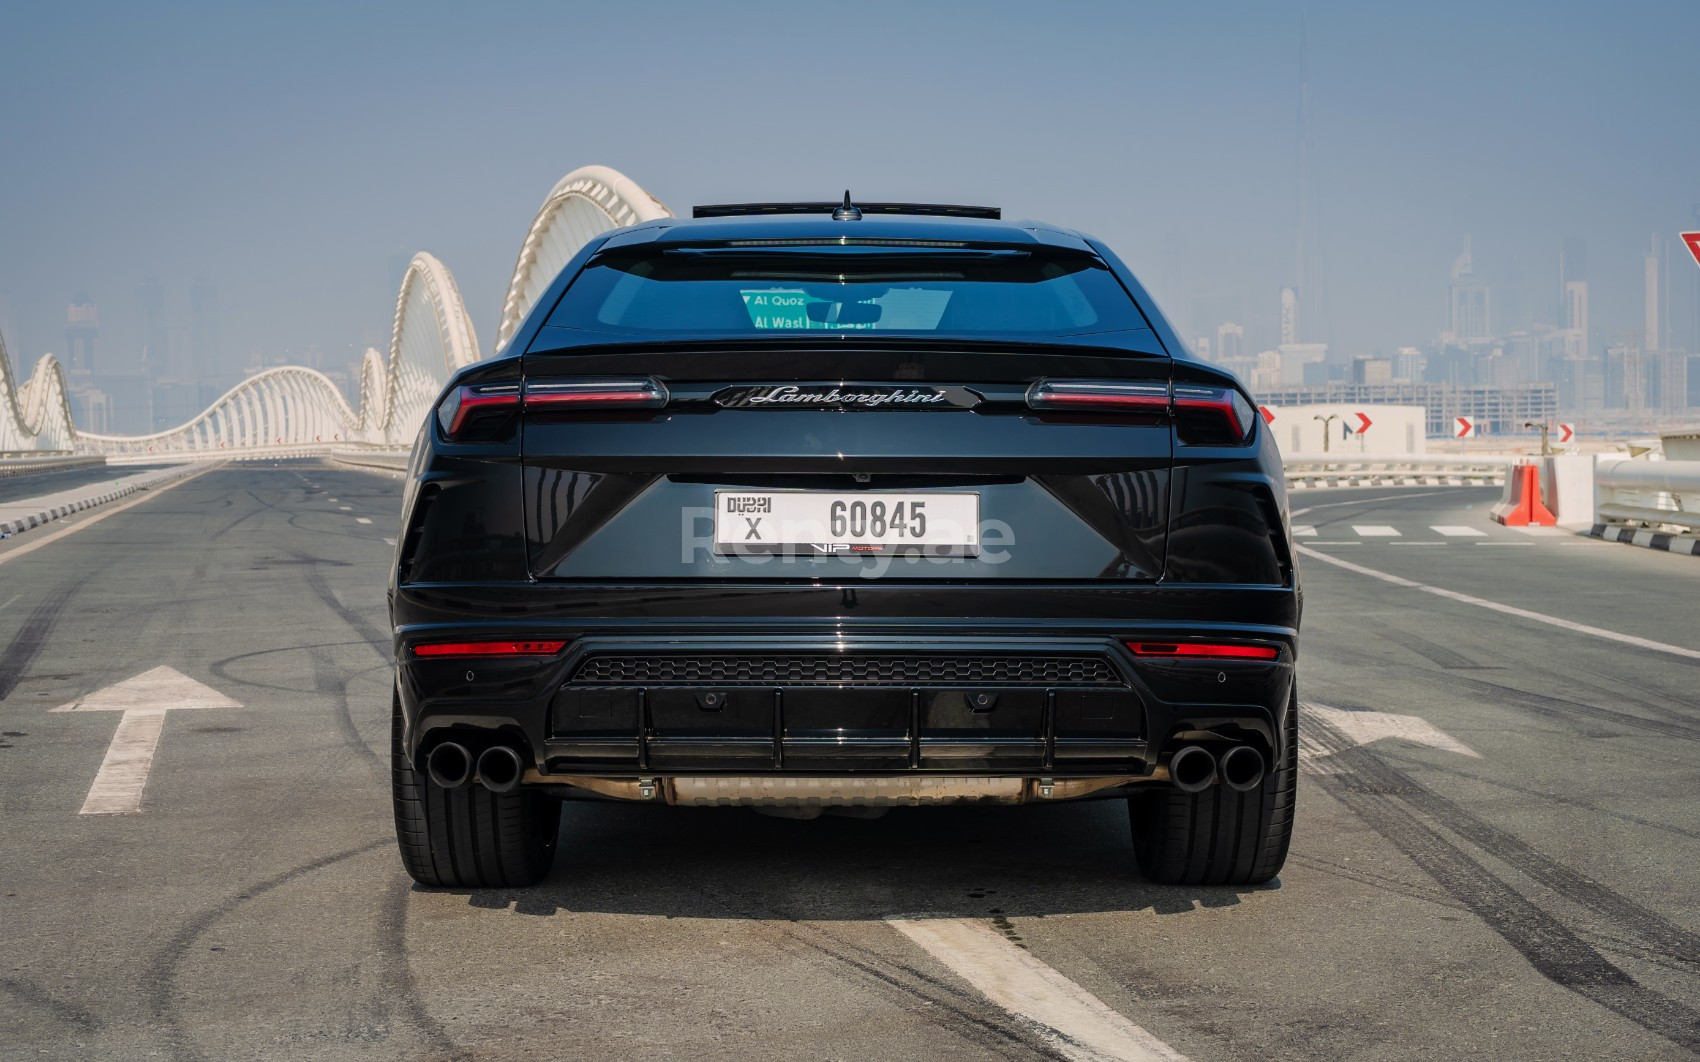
x=1361, y=728
x=144, y=700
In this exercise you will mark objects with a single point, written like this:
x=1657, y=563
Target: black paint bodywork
x=569, y=527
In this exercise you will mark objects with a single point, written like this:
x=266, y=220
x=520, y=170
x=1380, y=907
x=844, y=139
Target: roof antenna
x=848, y=211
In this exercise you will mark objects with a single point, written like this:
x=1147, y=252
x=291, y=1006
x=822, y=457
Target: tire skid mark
x=1677, y=942
x=1683, y=713
x=31, y=638
x=1552, y=948
x=1433, y=652
x=221, y=668
x=961, y=1013
x=234, y=524
x=328, y=682
x=404, y=986
x=1540, y=704
x=32, y=995
x=1556, y=798
x=1386, y=883
x=1557, y=707
x=162, y=996
x=381, y=643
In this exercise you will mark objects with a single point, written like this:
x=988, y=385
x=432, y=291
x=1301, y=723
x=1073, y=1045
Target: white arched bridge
x=292, y=411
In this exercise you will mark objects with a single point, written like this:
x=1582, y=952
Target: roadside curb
x=48, y=515
x=1640, y=536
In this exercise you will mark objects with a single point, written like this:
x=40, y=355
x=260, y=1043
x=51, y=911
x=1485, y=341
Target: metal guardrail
x=385, y=461
x=1370, y=470
x=1655, y=495
x=32, y=464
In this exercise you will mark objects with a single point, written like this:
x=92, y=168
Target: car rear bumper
x=762, y=694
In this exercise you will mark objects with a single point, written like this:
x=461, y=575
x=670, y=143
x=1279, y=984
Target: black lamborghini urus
x=817, y=504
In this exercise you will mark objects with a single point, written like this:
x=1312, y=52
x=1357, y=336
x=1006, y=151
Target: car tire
x=1220, y=836
x=468, y=838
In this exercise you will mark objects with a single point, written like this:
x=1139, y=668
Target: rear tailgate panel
x=631, y=495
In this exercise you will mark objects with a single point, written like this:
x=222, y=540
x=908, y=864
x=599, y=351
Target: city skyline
x=287, y=160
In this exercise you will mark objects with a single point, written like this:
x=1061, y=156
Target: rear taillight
x=1212, y=416
x=489, y=649
x=1212, y=650
x=641, y=392
x=1204, y=416
x=473, y=411
x=1105, y=396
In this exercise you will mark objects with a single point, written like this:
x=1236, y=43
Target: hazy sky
x=286, y=152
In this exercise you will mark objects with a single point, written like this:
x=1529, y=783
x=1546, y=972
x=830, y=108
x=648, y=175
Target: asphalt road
x=1539, y=899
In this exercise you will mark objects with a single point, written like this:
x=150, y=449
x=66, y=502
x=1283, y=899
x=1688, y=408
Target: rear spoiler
x=946, y=210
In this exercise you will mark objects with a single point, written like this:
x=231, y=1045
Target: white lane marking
x=1536, y=529
x=1375, y=530
x=1502, y=543
x=1509, y=610
x=1077, y=1022
x=330, y=500
x=361, y=520
x=101, y=514
x=1457, y=531
x=346, y=508
x=1337, y=542
x=389, y=541
x=1303, y=531
x=144, y=700
x=9, y=601
x=1437, y=545
x=1362, y=728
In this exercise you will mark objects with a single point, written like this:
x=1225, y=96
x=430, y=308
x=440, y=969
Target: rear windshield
x=758, y=291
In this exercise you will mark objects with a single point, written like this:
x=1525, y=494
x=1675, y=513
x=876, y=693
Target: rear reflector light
x=466, y=405
x=642, y=392
x=1204, y=649
x=1212, y=416
x=489, y=649
x=1100, y=395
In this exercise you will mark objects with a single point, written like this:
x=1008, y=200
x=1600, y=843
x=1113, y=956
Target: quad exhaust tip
x=500, y=769
x=449, y=765
x=1192, y=769
x=1242, y=768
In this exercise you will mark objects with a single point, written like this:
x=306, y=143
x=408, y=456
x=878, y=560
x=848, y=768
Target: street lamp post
x=1326, y=432
x=1546, y=450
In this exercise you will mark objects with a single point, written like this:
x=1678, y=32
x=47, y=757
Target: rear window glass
x=751, y=291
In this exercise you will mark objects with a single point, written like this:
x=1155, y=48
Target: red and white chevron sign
x=1692, y=239
x=1566, y=432
x=1463, y=428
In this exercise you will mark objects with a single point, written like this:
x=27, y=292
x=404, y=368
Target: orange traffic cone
x=1520, y=505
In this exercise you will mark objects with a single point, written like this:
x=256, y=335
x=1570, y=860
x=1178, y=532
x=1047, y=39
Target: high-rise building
x=1230, y=340
x=1469, y=316
x=1653, y=325
x=82, y=327
x=1576, y=341
x=1201, y=347
x=1289, y=316
x=156, y=342
x=1408, y=365
x=203, y=332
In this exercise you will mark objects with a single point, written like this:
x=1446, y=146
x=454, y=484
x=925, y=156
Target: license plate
x=828, y=522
